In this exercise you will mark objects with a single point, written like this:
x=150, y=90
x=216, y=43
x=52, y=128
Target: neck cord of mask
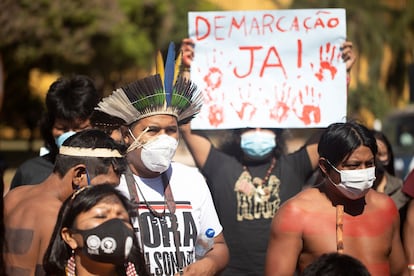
x=168, y=197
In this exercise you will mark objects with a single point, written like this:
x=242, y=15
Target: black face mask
x=110, y=242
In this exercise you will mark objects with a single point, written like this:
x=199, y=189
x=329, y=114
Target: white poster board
x=269, y=68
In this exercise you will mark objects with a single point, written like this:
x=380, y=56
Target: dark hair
x=105, y=122
x=68, y=99
x=335, y=264
x=91, y=138
x=340, y=140
x=381, y=136
x=58, y=252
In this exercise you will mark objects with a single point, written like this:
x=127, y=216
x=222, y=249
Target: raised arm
x=198, y=145
x=313, y=154
x=349, y=57
x=187, y=56
x=312, y=148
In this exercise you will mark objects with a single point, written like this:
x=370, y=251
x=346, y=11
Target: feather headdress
x=162, y=93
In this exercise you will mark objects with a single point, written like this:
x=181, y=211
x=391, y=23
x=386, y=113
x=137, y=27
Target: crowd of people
x=87, y=158
x=105, y=198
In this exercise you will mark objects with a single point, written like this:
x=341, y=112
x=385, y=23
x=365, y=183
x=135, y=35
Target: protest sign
x=270, y=68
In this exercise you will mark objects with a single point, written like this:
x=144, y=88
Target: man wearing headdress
x=174, y=203
x=88, y=157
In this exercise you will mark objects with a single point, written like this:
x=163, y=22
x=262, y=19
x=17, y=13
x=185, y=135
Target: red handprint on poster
x=269, y=68
x=213, y=96
x=307, y=106
x=327, y=58
x=243, y=104
x=215, y=115
x=284, y=98
x=213, y=78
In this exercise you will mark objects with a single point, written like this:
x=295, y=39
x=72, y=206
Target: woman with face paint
x=342, y=214
x=93, y=236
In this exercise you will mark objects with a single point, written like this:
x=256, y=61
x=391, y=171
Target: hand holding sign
x=278, y=68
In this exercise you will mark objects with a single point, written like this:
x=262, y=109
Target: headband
x=89, y=152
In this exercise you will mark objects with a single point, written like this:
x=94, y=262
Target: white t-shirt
x=195, y=213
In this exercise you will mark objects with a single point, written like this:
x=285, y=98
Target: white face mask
x=158, y=153
x=354, y=183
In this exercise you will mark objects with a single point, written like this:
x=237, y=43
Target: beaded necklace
x=268, y=172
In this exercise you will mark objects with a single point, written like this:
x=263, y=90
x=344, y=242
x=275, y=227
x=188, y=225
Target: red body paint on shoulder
x=369, y=224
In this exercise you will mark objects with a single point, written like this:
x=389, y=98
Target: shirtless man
x=30, y=211
x=341, y=214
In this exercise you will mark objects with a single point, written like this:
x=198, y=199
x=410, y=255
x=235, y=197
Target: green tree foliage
x=105, y=39
x=60, y=36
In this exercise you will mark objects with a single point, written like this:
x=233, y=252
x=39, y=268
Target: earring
x=130, y=270
x=71, y=265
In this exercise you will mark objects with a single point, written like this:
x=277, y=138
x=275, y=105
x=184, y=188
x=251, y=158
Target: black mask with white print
x=109, y=242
